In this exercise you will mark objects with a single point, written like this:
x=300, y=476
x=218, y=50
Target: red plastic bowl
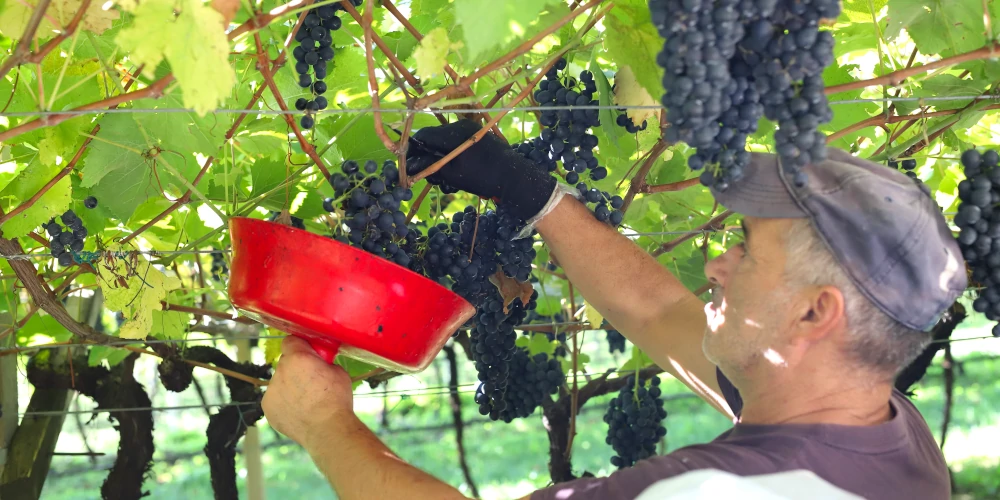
x=340, y=298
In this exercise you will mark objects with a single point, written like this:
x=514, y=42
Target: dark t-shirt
x=898, y=459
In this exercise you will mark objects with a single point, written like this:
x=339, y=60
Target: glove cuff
x=558, y=192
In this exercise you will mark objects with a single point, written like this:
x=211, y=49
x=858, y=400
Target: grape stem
x=20, y=54
x=366, y=25
x=263, y=64
x=447, y=67
x=897, y=77
x=638, y=181
x=389, y=54
x=714, y=224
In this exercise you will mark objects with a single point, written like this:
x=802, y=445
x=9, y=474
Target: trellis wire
x=429, y=391
x=653, y=107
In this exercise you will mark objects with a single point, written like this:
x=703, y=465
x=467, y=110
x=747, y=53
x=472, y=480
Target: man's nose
x=718, y=269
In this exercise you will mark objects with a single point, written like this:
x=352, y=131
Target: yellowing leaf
x=272, y=347
x=628, y=92
x=432, y=54
x=136, y=294
x=16, y=14
x=593, y=317
x=54, y=202
x=511, y=289
x=193, y=42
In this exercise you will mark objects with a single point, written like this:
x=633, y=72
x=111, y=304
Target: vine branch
x=21, y=50
x=897, y=77
x=712, y=225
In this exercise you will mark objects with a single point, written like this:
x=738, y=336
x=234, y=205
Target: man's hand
x=489, y=168
x=307, y=398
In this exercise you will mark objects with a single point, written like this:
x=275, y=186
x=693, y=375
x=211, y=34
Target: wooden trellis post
x=31, y=444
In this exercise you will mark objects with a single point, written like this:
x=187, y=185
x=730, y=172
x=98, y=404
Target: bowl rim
x=381, y=261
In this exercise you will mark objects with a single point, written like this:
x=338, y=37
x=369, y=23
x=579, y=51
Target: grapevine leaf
x=16, y=14
x=629, y=93
x=861, y=10
x=432, y=54
x=592, y=315
x=61, y=141
x=192, y=42
x=272, y=347
x=941, y=26
x=638, y=361
x=135, y=289
x=354, y=368
x=607, y=117
x=113, y=355
x=169, y=324
x=487, y=23
x=268, y=174
x=631, y=40
x=54, y=202
x=540, y=343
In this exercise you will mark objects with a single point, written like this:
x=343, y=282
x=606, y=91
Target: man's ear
x=819, y=313
x=824, y=315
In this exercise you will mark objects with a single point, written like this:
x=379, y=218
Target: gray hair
x=879, y=342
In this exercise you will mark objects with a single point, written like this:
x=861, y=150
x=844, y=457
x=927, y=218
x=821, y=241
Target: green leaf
x=943, y=27
x=113, y=355
x=192, y=41
x=539, y=343
x=607, y=116
x=638, y=361
x=267, y=174
x=488, y=23
x=432, y=54
x=62, y=141
x=861, y=10
x=169, y=324
x=54, y=202
x=16, y=14
x=631, y=40
x=354, y=368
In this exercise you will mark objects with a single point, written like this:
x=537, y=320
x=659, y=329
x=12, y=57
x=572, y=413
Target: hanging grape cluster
x=728, y=62
x=465, y=254
x=531, y=379
x=66, y=241
x=635, y=422
x=978, y=220
x=616, y=341
x=314, y=51
x=370, y=201
x=219, y=267
x=566, y=138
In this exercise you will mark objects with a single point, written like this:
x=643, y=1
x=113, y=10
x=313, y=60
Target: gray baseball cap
x=881, y=226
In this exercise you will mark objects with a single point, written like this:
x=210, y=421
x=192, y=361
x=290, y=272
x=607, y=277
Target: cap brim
x=760, y=192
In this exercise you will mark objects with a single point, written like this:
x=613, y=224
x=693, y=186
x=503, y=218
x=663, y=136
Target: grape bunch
x=908, y=165
x=314, y=51
x=531, y=378
x=635, y=422
x=565, y=138
x=371, y=204
x=728, y=62
x=473, y=247
x=616, y=341
x=219, y=266
x=65, y=242
x=626, y=123
x=978, y=220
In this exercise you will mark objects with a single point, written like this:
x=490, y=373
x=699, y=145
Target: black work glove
x=489, y=168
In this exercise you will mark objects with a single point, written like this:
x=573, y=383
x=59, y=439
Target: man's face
x=749, y=307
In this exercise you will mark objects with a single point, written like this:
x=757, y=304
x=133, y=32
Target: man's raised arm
x=635, y=293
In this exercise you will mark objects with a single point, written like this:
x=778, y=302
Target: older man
x=830, y=294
